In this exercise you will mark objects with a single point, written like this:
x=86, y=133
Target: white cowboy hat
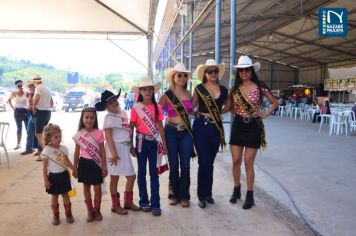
x=179, y=68
x=146, y=83
x=37, y=78
x=210, y=63
x=245, y=61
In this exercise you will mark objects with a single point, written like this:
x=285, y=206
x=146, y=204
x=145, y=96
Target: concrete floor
x=317, y=170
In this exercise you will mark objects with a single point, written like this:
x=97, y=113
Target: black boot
x=236, y=194
x=249, y=202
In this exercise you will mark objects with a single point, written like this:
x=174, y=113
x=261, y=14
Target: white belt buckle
x=180, y=127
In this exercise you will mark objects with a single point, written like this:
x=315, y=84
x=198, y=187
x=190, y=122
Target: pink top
x=98, y=135
x=254, y=99
x=140, y=126
x=172, y=113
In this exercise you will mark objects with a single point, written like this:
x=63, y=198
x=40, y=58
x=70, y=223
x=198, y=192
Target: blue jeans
x=148, y=152
x=31, y=141
x=21, y=115
x=207, y=143
x=180, y=146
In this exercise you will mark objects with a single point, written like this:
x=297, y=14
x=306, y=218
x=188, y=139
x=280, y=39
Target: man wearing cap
x=42, y=104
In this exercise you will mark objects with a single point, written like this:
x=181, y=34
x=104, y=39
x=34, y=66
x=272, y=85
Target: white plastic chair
x=338, y=123
x=4, y=128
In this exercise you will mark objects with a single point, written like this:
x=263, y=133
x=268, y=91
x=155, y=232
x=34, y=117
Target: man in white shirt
x=42, y=103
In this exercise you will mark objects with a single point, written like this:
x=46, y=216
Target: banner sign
x=333, y=22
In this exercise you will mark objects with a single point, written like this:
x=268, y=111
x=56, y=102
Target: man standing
x=31, y=141
x=42, y=104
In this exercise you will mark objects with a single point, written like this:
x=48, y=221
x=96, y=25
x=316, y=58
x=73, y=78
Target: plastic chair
x=338, y=123
x=4, y=128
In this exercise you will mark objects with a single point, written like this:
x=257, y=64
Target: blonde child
x=89, y=160
x=55, y=171
x=146, y=117
x=117, y=149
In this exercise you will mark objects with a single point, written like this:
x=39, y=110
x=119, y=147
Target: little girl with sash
x=117, y=148
x=56, y=175
x=146, y=117
x=178, y=133
x=90, y=161
x=208, y=129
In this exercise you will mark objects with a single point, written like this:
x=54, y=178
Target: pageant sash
x=247, y=107
x=118, y=121
x=181, y=111
x=86, y=141
x=213, y=109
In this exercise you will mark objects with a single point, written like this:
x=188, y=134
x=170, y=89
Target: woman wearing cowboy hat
x=247, y=131
x=208, y=131
x=178, y=133
x=146, y=117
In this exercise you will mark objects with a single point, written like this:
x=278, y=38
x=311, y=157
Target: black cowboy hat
x=105, y=97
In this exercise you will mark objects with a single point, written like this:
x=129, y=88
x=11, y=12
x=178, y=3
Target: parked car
x=4, y=106
x=75, y=99
x=57, y=101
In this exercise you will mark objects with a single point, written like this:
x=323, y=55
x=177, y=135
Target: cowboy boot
x=128, y=202
x=97, y=214
x=249, y=201
x=68, y=212
x=236, y=194
x=90, y=209
x=116, y=206
x=55, y=210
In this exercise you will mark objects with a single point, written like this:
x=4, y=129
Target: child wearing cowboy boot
x=117, y=149
x=90, y=161
x=55, y=171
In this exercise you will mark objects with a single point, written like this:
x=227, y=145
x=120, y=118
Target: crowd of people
x=99, y=153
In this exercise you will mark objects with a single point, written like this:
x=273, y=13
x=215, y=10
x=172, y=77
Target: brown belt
x=179, y=127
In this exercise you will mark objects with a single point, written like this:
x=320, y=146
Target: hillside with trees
x=56, y=79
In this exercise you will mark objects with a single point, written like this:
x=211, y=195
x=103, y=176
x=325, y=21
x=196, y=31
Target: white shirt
x=45, y=97
x=53, y=166
x=118, y=122
x=21, y=101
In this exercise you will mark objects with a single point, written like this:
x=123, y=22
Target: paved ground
x=318, y=171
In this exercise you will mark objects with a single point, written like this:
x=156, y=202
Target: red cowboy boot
x=90, y=209
x=68, y=211
x=97, y=213
x=55, y=210
x=116, y=206
x=128, y=202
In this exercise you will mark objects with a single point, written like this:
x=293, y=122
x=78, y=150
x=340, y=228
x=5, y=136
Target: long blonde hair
x=50, y=130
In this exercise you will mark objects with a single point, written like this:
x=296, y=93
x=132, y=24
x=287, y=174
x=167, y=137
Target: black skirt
x=245, y=132
x=60, y=183
x=89, y=172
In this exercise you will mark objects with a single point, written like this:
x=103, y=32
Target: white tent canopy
x=78, y=16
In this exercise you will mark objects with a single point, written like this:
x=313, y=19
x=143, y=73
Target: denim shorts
x=42, y=119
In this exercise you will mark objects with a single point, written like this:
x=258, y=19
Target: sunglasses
x=149, y=88
x=19, y=86
x=248, y=69
x=210, y=72
x=180, y=75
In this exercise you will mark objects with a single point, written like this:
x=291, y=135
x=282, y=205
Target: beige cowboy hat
x=36, y=79
x=146, y=83
x=210, y=63
x=179, y=68
x=29, y=82
x=245, y=61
